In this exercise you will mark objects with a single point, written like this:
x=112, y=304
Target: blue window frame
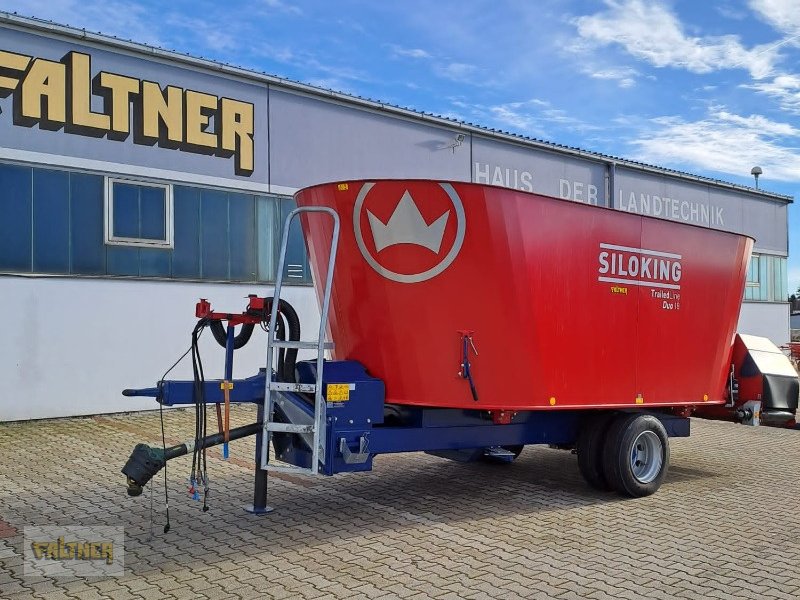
x=138, y=213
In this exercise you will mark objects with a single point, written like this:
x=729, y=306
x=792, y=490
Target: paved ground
x=724, y=525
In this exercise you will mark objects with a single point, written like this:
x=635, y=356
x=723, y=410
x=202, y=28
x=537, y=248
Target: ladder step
x=289, y=469
x=304, y=388
x=301, y=345
x=289, y=428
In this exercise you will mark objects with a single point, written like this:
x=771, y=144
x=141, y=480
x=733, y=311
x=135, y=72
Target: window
x=296, y=267
x=216, y=235
x=16, y=225
x=57, y=221
x=766, y=279
x=753, y=271
x=138, y=213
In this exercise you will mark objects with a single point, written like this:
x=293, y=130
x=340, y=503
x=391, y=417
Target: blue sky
x=712, y=87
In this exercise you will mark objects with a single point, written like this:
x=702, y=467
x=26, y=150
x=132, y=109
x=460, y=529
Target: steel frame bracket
x=355, y=458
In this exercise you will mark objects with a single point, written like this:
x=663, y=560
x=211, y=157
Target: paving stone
x=416, y=527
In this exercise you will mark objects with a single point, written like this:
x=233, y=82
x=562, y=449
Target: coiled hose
x=287, y=319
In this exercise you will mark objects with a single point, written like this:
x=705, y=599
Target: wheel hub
x=646, y=457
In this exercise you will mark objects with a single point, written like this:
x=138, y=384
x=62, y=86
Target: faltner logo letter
x=411, y=228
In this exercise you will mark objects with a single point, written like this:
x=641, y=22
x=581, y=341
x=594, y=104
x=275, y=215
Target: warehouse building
x=134, y=181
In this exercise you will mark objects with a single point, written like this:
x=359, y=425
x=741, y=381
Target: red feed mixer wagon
x=569, y=305
x=470, y=320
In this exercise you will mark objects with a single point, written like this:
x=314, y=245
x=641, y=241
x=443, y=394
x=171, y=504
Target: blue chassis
x=360, y=420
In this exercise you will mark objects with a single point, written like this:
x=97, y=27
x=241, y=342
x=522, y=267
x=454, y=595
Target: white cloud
x=783, y=15
x=649, y=31
x=535, y=117
x=729, y=12
x=785, y=89
x=520, y=117
x=456, y=71
x=624, y=76
x=282, y=6
x=516, y=116
x=208, y=33
x=398, y=51
x=723, y=142
x=280, y=54
x=124, y=19
x=317, y=71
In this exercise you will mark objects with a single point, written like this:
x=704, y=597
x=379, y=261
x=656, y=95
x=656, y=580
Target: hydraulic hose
x=286, y=360
x=286, y=366
x=221, y=335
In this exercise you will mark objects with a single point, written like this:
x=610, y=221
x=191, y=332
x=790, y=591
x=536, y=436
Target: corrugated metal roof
x=464, y=126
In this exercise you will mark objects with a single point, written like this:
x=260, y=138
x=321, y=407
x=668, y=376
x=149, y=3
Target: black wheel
x=636, y=454
x=589, y=446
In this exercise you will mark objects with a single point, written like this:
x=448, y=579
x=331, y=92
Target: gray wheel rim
x=647, y=457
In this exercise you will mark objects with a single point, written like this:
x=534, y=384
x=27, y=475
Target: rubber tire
x=616, y=454
x=589, y=447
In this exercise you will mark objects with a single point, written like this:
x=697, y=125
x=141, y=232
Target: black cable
x=163, y=434
x=198, y=395
x=280, y=334
x=287, y=326
x=286, y=372
x=199, y=453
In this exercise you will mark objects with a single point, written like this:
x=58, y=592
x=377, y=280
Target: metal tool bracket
x=353, y=458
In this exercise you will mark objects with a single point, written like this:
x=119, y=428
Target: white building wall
x=70, y=346
x=767, y=319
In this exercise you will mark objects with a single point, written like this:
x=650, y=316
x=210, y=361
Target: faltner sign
x=58, y=95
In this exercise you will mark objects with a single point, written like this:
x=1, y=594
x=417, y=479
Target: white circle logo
x=411, y=244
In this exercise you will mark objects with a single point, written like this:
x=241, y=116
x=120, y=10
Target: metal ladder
x=316, y=428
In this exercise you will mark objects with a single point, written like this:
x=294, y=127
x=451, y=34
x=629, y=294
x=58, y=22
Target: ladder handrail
x=319, y=402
